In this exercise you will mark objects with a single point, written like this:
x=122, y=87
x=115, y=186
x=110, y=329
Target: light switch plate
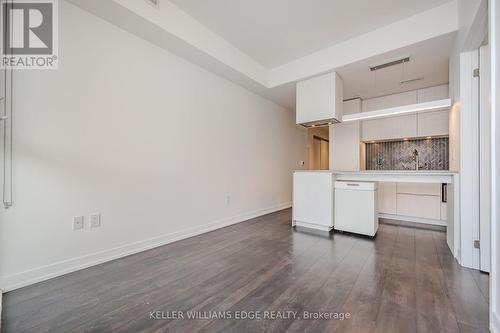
x=78, y=222
x=95, y=220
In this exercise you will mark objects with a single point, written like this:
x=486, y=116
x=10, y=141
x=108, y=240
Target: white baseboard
x=494, y=323
x=19, y=280
x=412, y=219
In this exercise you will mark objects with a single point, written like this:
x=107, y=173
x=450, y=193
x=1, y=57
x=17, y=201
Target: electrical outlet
x=95, y=220
x=78, y=222
x=228, y=200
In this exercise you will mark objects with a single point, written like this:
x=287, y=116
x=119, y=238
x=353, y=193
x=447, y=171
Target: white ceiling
x=428, y=60
x=278, y=31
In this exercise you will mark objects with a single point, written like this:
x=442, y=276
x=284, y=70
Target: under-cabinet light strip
x=412, y=108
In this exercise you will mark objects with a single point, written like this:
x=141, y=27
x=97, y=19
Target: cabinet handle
x=444, y=193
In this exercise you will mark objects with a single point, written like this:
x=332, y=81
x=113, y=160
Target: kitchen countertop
x=384, y=172
x=410, y=176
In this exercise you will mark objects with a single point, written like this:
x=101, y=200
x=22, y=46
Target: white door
x=6, y=77
x=469, y=160
x=320, y=153
x=484, y=158
x=494, y=34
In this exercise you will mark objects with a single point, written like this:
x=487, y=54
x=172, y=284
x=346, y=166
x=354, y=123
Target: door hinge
x=477, y=244
x=475, y=73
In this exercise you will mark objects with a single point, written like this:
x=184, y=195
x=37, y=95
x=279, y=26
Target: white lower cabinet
x=313, y=200
x=387, y=198
x=421, y=206
x=444, y=211
x=416, y=202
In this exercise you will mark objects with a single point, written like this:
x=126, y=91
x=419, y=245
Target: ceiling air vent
x=154, y=3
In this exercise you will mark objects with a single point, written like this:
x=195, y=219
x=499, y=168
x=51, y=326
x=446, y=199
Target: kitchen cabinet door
x=319, y=98
x=313, y=198
x=433, y=123
x=352, y=106
x=433, y=93
x=390, y=128
x=387, y=198
x=390, y=101
x=422, y=206
x=444, y=211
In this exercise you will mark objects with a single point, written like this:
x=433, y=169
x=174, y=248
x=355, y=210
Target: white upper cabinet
x=390, y=101
x=319, y=99
x=432, y=93
x=352, y=106
x=390, y=128
x=433, y=123
x=423, y=124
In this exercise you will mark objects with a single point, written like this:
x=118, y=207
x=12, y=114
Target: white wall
x=150, y=141
x=494, y=36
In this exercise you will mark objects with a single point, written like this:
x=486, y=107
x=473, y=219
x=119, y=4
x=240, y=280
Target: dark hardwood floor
x=404, y=280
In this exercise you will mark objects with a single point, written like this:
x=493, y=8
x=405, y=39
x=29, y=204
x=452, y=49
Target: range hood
x=319, y=100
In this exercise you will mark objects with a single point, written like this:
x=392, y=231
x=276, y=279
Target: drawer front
x=419, y=188
x=423, y=206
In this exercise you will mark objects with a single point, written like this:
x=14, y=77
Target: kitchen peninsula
x=314, y=196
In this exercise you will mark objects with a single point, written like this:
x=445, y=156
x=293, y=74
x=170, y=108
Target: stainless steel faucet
x=415, y=156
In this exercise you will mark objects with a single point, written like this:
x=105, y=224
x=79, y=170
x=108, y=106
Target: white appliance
x=356, y=207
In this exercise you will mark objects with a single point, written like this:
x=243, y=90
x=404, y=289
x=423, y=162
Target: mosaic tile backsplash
x=433, y=154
